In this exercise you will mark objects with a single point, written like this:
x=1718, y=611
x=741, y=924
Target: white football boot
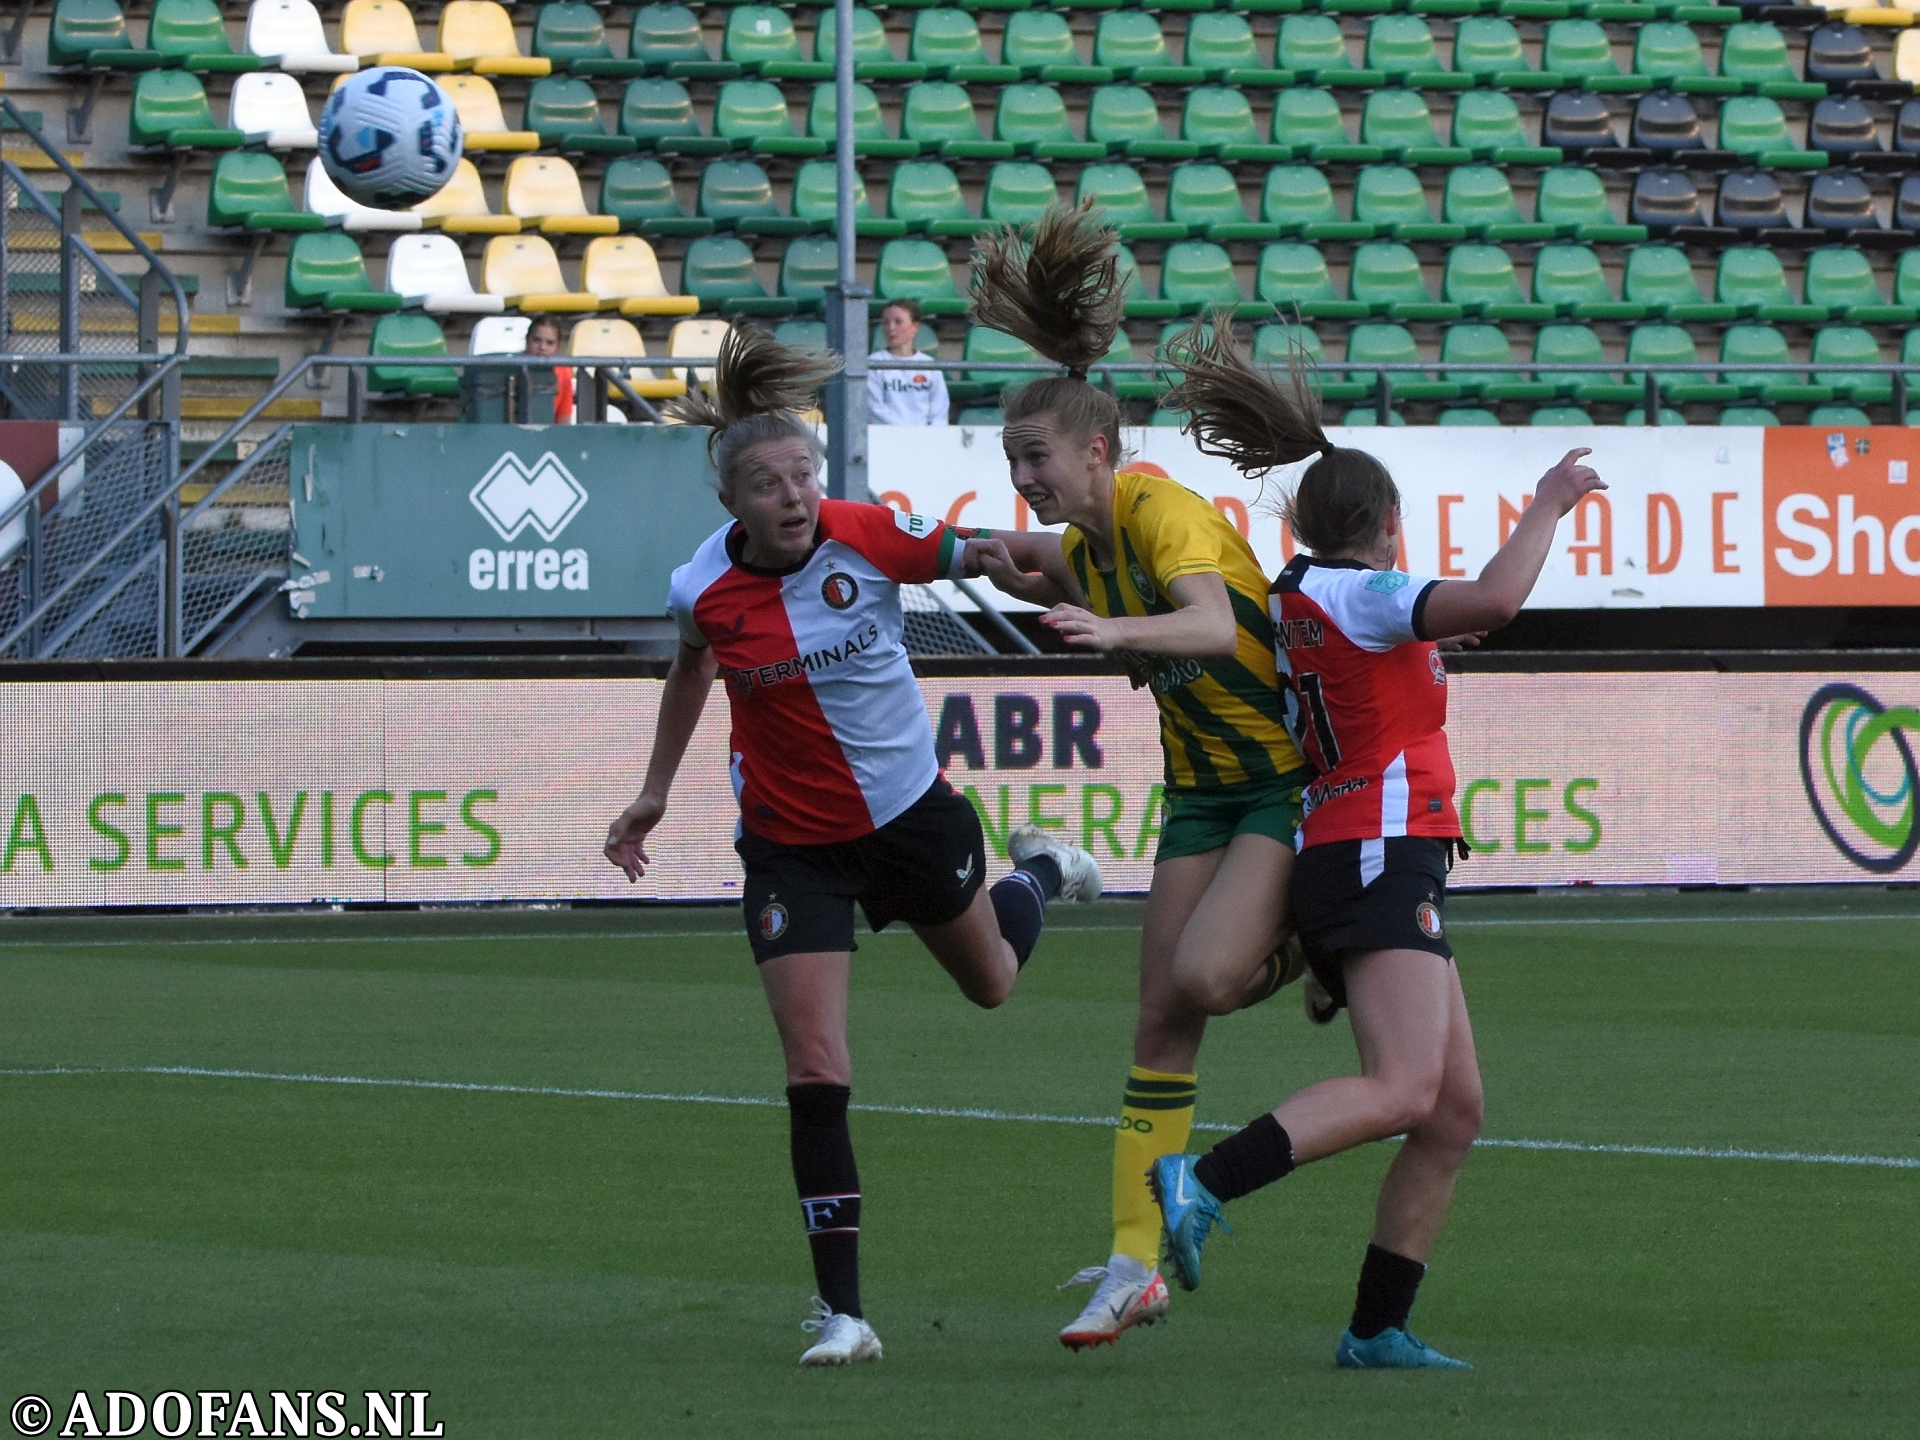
x=1079, y=871
x=843, y=1340
x=1129, y=1294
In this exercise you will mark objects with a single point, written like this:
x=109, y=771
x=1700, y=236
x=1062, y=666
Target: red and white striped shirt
x=1366, y=701
x=830, y=732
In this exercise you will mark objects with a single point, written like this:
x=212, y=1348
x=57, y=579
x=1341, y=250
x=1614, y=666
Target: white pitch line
x=939, y=1112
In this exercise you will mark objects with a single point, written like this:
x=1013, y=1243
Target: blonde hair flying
x=759, y=386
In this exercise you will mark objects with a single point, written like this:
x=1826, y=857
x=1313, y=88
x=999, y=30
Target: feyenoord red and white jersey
x=1366, y=701
x=830, y=733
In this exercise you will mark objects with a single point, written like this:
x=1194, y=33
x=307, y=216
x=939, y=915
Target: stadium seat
x=1312, y=46
x=411, y=337
x=1660, y=277
x=802, y=334
x=1751, y=200
x=573, y=37
x=1656, y=345
x=326, y=271
x=1748, y=415
x=1569, y=415
x=1220, y=121
x=1573, y=201
x=947, y=41
x=564, y=112
x=757, y=36
x=1569, y=278
x=429, y=271
x=926, y=195
x=1467, y=415
x=1308, y=122
x=1755, y=128
x=658, y=115
x=619, y=339
x=1764, y=345
x=1391, y=199
x=1833, y=415
x=1664, y=198
x=482, y=122
x=288, y=35
x=623, y=273
x=1294, y=276
x=1279, y=344
x=460, y=207
x=918, y=270
x=737, y=195
x=1141, y=302
x=1580, y=51
x=1019, y=192
x=985, y=344
x=1393, y=344
x=1130, y=43
x=1486, y=123
x=1206, y=200
x=1220, y=45
x=1488, y=48
x=1840, y=281
x=250, y=192
x=1752, y=280
x=1399, y=123
x=1299, y=199
x=324, y=198
x=1126, y=119
x=1401, y=48
x=1841, y=201
x=667, y=40
x=1906, y=204
x=1666, y=123
x=870, y=135
x=92, y=35
x=1667, y=416
x=1578, y=121
x=938, y=116
x=1755, y=54
x=873, y=57
x=1199, y=275
x=1668, y=53
x=382, y=32
x=1386, y=276
x=1040, y=44
x=499, y=335
x=1906, y=58
x=1850, y=345
x=1033, y=119
x=1480, y=280
x=524, y=271
x=1479, y=198
x=1563, y=344
x=808, y=266
x=479, y=35
x=170, y=112
x=271, y=110
x=753, y=115
x=1368, y=415
x=1842, y=56
x=1470, y=345
x=193, y=35
x=1123, y=198
x=544, y=191
x=1843, y=126
x=816, y=200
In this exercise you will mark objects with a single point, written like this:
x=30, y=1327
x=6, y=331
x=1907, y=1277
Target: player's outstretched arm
x=682, y=699
x=1201, y=628
x=1463, y=607
x=1029, y=566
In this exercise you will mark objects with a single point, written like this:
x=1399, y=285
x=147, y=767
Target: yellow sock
x=1155, y=1118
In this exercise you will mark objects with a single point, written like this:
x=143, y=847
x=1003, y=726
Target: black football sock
x=1020, y=902
x=829, y=1186
x=1243, y=1162
x=1388, y=1283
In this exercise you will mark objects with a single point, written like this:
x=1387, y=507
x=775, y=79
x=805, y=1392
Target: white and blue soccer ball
x=389, y=137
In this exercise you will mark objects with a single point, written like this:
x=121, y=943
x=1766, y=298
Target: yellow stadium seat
x=482, y=121
x=383, y=32
x=625, y=273
x=1881, y=13
x=545, y=189
x=1906, y=57
x=524, y=270
x=696, y=340
x=619, y=338
x=478, y=34
x=460, y=207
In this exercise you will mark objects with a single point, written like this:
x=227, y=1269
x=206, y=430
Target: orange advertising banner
x=1842, y=516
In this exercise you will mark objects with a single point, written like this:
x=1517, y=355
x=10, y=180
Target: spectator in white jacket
x=904, y=397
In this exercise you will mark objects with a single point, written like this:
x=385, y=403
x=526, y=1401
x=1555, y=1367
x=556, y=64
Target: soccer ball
x=389, y=137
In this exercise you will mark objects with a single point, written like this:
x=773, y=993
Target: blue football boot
x=1188, y=1213
x=1392, y=1350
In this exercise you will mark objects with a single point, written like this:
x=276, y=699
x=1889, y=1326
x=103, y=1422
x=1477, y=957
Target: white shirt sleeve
x=1375, y=609
x=680, y=605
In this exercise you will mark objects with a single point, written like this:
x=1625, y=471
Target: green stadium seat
x=1488, y=48
x=1755, y=128
x=1206, y=199
x=1470, y=345
x=1567, y=415
x=1850, y=345
x=639, y=194
x=1386, y=276
x=1199, y=274
x=1569, y=278
x=1752, y=280
x=1033, y=118
x=1580, y=51
x=1129, y=43
x=918, y=270
x=1660, y=277
x=1141, y=302
x=193, y=35
x=1401, y=48
x=1906, y=278
x=658, y=115
x=1220, y=45
x=983, y=415
x=1748, y=415
x=1668, y=53
x=1393, y=344
x=1363, y=416
x=1487, y=124
x=1308, y=122
x=410, y=337
x=926, y=195
x=1756, y=55
x=1573, y=200
x=1019, y=192
x=1299, y=200
x=802, y=334
x=1479, y=198
x=873, y=57
x=565, y=113
x=947, y=41
x=1392, y=200
x=668, y=41
x=870, y=135
x=92, y=35
x=1293, y=276
x=993, y=345
x=326, y=271
x=1480, y=280
x=811, y=263
x=758, y=36
x=938, y=116
x=1219, y=120
x=1838, y=415
x=1123, y=196
x=170, y=111
x=816, y=199
x=1126, y=119
x=1278, y=344
x=1638, y=416
x=753, y=115
x=574, y=37
x=1467, y=415
x=720, y=270
x=1399, y=122
x=1840, y=281
x=1312, y=46
x=1657, y=345
x=1040, y=43
x=737, y=195
x=250, y=192
x=1764, y=345
x=1128, y=384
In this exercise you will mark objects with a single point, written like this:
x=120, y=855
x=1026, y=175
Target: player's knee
x=1210, y=989
x=1411, y=1100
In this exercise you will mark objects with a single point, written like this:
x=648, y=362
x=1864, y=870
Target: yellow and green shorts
x=1199, y=820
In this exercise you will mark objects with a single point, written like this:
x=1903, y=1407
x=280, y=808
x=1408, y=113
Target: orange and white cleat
x=1129, y=1294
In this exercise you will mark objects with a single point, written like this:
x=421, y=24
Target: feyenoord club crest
x=773, y=921
x=1427, y=916
x=839, y=591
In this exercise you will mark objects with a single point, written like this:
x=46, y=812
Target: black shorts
x=923, y=866
x=1351, y=897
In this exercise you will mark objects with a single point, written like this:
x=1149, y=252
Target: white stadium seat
x=324, y=198
x=429, y=271
x=289, y=33
x=500, y=335
x=271, y=109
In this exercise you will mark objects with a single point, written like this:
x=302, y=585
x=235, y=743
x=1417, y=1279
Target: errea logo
x=512, y=497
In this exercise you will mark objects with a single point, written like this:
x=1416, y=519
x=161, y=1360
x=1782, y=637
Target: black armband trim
x=1420, y=610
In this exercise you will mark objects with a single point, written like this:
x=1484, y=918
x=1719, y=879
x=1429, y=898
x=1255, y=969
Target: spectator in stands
x=543, y=338
x=904, y=397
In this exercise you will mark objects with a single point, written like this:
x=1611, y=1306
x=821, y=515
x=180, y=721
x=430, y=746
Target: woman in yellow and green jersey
x=1155, y=575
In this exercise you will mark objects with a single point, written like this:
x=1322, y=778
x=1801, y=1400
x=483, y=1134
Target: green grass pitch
x=550, y=1264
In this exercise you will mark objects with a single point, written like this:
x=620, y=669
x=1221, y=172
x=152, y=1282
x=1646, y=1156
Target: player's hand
x=626, y=843
x=1082, y=629
x=1563, y=487
x=1456, y=643
x=990, y=559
